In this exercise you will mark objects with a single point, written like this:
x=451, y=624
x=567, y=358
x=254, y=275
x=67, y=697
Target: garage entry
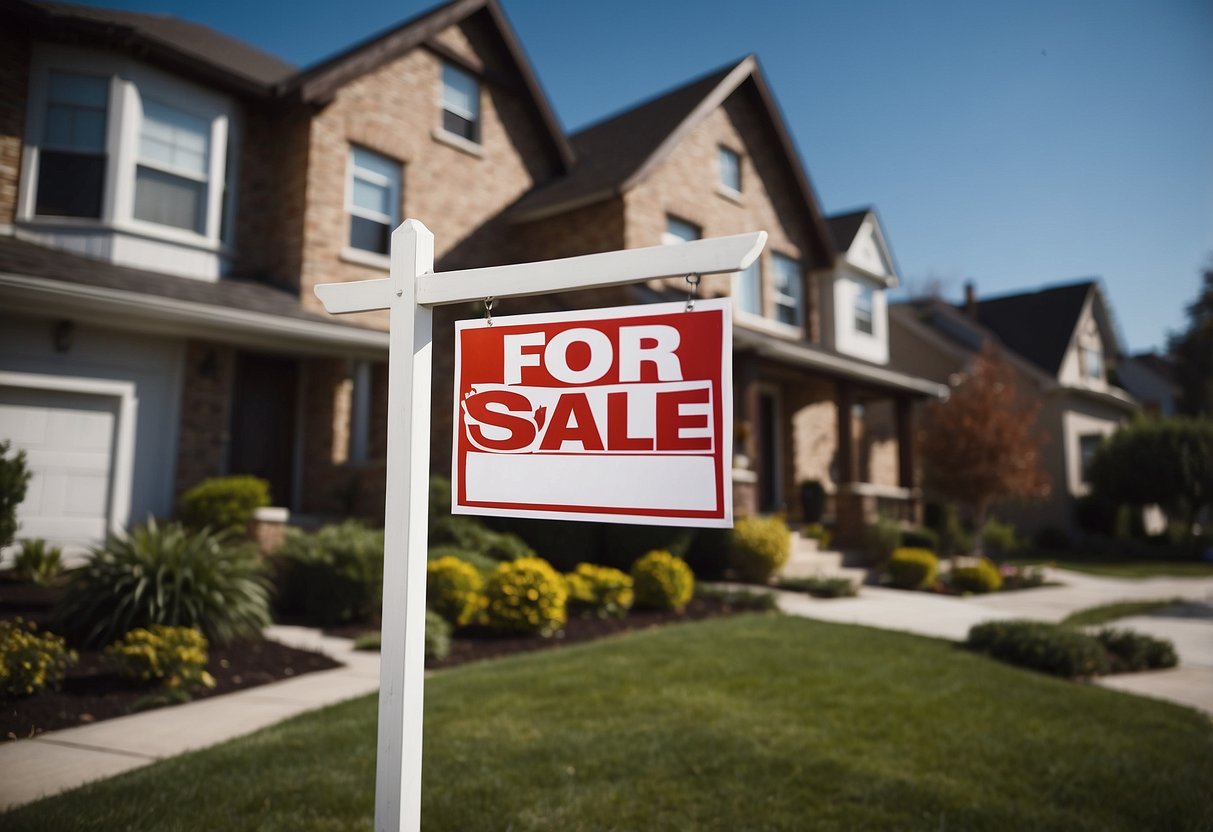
x=75, y=434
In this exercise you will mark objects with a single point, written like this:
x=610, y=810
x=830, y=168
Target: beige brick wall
x=686, y=186
x=14, y=86
x=395, y=110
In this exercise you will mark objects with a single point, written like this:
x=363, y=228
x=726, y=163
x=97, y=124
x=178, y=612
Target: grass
x=1129, y=568
x=1104, y=613
x=747, y=723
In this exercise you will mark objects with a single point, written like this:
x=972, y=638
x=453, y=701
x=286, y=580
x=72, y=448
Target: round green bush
x=1036, y=645
x=910, y=568
x=1132, y=651
x=166, y=574
x=452, y=589
x=332, y=576
x=600, y=590
x=759, y=548
x=223, y=503
x=662, y=581
x=525, y=596
x=437, y=636
x=29, y=662
x=978, y=576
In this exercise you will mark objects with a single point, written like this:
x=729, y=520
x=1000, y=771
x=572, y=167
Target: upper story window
x=1092, y=363
x=460, y=103
x=680, y=231
x=865, y=300
x=788, y=290
x=73, y=154
x=730, y=169
x=115, y=147
x=749, y=289
x=173, y=172
x=373, y=200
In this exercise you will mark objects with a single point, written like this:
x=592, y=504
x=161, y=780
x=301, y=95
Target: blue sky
x=1014, y=144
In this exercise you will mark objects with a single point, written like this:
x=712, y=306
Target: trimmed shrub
x=1036, y=645
x=223, y=503
x=39, y=562
x=172, y=657
x=525, y=596
x=976, y=575
x=999, y=539
x=920, y=538
x=483, y=563
x=1132, y=651
x=166, y=574
x=14, y=480
x=662, y=581
x=470, y=534
x=739, y=599
x=440, y=497
x=759, y=548
x=600, y=591
x=437, y=636
x=332, y=576
x=453, y=589
x=821, y=587
x=909, y=568
x=881, y=538
x=30, y=663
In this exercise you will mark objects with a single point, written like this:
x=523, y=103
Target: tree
x=979, y=446
x=14, y=479
x=1168, y=462
x=1193, y=353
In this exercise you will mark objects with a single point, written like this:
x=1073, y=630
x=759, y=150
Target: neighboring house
x=1062, y=342
x=170, y=196
x=1150, y=379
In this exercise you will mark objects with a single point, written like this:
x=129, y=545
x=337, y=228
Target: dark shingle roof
x=611, y=151
x=200, y=43
x=1037, y=325
x=844, y=227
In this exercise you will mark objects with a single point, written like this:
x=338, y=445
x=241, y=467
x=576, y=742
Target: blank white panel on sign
x=638, y=482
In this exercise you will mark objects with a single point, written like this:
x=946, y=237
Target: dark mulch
x=474, y=644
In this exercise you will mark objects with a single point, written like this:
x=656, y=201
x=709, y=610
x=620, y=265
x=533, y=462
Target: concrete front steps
x=809, y=561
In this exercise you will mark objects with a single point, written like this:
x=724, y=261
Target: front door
x=264, y=393
x=770, y=457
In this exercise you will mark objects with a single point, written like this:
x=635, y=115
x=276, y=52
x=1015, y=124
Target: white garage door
x=69, y=440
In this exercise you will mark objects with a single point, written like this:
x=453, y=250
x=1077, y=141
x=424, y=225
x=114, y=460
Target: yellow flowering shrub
x=525, y=596
x=30, y=663
x=759, y=547
x=173, y=657
x=977, y=575
x=911, y=568
x=662, y=581
x=452, y=589
x=600, y=590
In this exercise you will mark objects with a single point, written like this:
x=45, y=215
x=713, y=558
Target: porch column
x=847, y=469
x=904, y=415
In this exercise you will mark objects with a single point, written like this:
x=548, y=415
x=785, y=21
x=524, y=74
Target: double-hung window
x=864, y=300
x=172, y=175
x=679, y=231
x=749, y=289
x=730, y=170
x=460, y=103
x=788, y=290
x=72, y=157
x=374, y=200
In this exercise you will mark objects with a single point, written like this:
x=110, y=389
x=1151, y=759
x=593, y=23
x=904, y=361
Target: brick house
x=169, y=197
x=1062, y=342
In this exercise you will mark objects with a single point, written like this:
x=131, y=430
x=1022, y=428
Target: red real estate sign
x=607, y=415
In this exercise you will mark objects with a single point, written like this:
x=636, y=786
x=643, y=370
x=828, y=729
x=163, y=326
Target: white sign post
x=409, y=293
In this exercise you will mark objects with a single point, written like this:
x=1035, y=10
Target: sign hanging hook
x=488, y=309
x=693, y=295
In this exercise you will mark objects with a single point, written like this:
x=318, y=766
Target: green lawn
x=758, y=722
x=1105, y=613
x=1128, y=568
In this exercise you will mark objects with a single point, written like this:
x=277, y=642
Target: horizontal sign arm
x=592, y=271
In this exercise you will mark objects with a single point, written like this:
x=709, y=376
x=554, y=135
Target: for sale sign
x=608, y=415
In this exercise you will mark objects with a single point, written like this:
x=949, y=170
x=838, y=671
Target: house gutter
x=155, y=315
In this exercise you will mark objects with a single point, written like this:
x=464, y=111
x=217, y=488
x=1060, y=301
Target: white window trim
x=395, y=189
x=128, y=82
x=736, y=291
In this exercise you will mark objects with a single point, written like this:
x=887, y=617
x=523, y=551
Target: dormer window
x=865, y=297
x=460, y=103
x=373, y=200
x=788, y=290
x=730, y=170
x=1092, y=363
x=73, y=153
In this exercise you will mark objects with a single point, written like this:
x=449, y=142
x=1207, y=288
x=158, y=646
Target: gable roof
x=318, y=83
x=1038, y=325
x=844, y=227
x=191, y=48
x=619, y=152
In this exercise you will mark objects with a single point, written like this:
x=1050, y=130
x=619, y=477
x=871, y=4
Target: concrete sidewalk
x=61, y=760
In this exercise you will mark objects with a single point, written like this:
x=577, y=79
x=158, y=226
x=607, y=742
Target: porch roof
x=834, y=364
